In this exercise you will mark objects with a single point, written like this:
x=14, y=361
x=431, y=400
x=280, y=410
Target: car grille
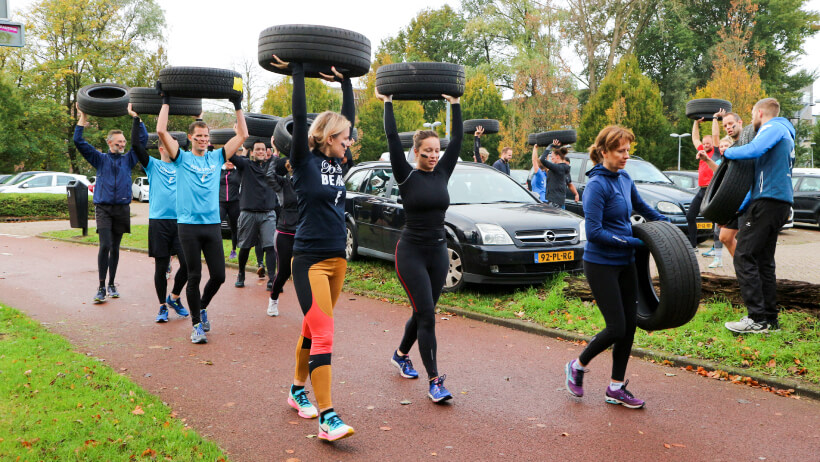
x=550, y=236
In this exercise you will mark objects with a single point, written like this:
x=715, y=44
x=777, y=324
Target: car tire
x=103, y=99
x=201, y=82
x=351, y=242
x=455, y=273
x=256, y=139
x=146, y=100
x=678, y=275
x=282, y=134
x=420, y=81
x=725, y=193
x=317, y=47
x=544, y=139
x=261, y=125
x=490, y=126
x=221, y=136
x=181, y=137
x=406, y=139
x=705, y=108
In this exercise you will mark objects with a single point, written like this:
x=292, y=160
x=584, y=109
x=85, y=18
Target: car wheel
x=455, y=273
x=637, y=219
x=139, y=197
x=351, y=243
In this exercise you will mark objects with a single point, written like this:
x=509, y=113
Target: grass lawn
x=792, y=352
x=57, y=404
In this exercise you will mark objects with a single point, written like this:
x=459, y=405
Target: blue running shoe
x=203, y=318
x=437, y=391
x=331, y=428
x=198, y=335
x=100, y=297
x=709, y=253
x=112, y=291
x=405, y=365
x=176, y=305
x=163, y=314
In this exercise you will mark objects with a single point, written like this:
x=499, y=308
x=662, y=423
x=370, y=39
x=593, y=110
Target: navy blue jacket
x=773, y=152
x=609, y=199
x=113, y=185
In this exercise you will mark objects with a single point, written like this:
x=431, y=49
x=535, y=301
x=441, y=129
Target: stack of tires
x=260, y=128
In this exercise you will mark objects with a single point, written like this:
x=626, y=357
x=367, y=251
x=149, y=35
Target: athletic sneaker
x=709, y=253
x=273, y=307
x=575, y=379
x=302, y=404
x=203, y=317
x=176, y=305
x=774, y=325
x=405, y=365
x=269, y=286
x=747, y=325
x=100, y=297
x=112, y=291
x=623, y=397
x=198, y=334
x=168, y=272
x=260, y=271
x=716, y=263
x=331, y=428
x=232, y=255
x=240, y=280
x=163, y=314
x=437, y=391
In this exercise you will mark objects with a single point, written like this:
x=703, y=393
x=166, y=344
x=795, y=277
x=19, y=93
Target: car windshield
x=485, y=186
x=643, y=172
x=19, y=178
x=520, y=175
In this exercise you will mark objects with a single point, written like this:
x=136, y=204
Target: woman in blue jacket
x=609, y=260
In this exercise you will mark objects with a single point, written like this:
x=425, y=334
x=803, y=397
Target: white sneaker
x=273, y=307
x=747, y=326
x=716, y=263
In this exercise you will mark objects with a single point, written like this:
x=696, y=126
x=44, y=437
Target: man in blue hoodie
x=768, y=210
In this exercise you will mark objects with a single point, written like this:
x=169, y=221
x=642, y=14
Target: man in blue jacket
x=112, y=195
x=769, y=205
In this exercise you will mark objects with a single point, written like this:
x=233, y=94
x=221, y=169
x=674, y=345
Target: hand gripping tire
x=678, y=275
x=725, y=193
x=181, y=137
x=420, y=81
x=103, y=99
x=148, y=101
x=544, y=139
x=261, y=125
x=256, y=139
x=282, y=134
x=706, y=108
x=201, y=82
x=317, y=47
x=406, y=139
x=490, y=126
x=221, y=136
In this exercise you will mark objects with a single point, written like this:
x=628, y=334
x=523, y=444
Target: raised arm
x=235, y=143
x=88, y=152
x=401, y=168
x=696, y=133
x=716, y=118
x=479, y=130
x=171, y=145
x=299, y=148
x=536, y=165
x=136, y=130
x=273, y=179
x=448, y=161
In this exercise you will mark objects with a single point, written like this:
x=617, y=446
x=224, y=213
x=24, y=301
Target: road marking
x=16, y=236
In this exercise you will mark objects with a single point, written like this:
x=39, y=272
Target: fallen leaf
x=675, y=445
x=310, y=436
x=149, y=453
x=565, y=434
x=293, y=422
x=667, y=445
x=387, y=429
x=640, y=432
x=405, y=402
x=138, y=411
x=207, y=362
x=289, y=451
x=293, y=459
x=370, y=408
x=541, y=425
x=772, y=363
x=670, y=375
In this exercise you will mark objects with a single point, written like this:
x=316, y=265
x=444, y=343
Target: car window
x=62, y=180
x=485, y=186
x=377, y=183
x=644, y=172
x=682, y=180
x=575, y=165
x=145, y=181
x=354, y=181
x=40, y=182
x=809, y=184
x=794, y=182
x=19, y=178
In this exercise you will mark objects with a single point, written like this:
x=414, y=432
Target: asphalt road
x=509, y=402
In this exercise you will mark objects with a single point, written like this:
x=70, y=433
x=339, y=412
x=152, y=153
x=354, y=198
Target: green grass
x=792, y=352
x=57, y=404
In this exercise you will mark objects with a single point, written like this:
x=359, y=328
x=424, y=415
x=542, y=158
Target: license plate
x=549, y=257
x=704, y=225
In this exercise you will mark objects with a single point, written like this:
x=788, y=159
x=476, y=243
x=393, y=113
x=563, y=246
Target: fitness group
x=303, y=179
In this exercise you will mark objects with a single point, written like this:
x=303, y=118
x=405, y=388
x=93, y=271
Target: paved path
x=509, y=398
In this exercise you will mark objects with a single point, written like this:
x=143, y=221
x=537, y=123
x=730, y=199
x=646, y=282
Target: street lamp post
x=675, y=135
x=431, y=125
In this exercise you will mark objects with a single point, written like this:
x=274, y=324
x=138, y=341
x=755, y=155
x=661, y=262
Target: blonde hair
x=609, y=139
x=727, y=139
x=326, y=125
x=484, y=153
x=420, y=136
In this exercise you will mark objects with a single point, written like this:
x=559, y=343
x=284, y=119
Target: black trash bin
x=77, y=193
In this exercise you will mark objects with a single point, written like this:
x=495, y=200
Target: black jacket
x=229, y=185
x=288, y=216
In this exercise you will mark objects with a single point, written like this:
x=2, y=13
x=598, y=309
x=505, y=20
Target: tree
x=320, y=97
x=732, y=82
x=629, y=98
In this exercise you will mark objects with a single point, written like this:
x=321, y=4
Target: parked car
x=521, y=177
x=497, y=232
x=48, y=182
x=655, y=188
x=686, y=179
x=139, y=189
x=20, y=177
x=806, y=197
x=4, y=177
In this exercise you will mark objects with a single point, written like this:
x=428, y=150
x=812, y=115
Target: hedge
x=37, y=206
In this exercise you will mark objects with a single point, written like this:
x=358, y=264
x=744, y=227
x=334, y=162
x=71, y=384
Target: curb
x=802, y=389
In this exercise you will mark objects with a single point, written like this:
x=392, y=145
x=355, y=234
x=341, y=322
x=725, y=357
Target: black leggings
x=283, y=247
x=198, y=240
x=244, y=254
x=161, y=284
x=615, y=289
x=109, y=254
x=422, y=270
x=229, y=211
x=692, y=216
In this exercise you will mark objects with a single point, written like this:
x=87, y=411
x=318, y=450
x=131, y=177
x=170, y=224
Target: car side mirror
x=24, y=185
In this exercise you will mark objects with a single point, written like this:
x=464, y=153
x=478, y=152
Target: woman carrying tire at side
x=421, y=253
x=609, y=260
x=319, y=263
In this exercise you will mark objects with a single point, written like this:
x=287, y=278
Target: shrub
x=37, y=206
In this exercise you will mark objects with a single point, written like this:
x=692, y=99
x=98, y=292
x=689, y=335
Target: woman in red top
x=705, y=175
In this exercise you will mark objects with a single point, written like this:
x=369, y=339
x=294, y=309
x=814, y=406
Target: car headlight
x=493, y=234
x=582, y=232
x=669, y=207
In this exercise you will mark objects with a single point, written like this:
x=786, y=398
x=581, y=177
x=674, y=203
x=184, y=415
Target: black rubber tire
x=355, y=134
x=351, y=243
x=282, y=134
x=146, y=100
x=406, y=139
x=103, y=99
x=313, y=115
x=544, y=139
x=317, y=47
x=181, y=137
x=420, y=81
x=201, y=82
x=490, y=126
x=725, y=193
x=221, y=136
x=455, y=274
x=256, y=139
x=444, y=142
x=531, y=139
x=261, y=124
x=706, y=108
x=678, y=275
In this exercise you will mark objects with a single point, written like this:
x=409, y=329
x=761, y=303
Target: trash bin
x=77, y=193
